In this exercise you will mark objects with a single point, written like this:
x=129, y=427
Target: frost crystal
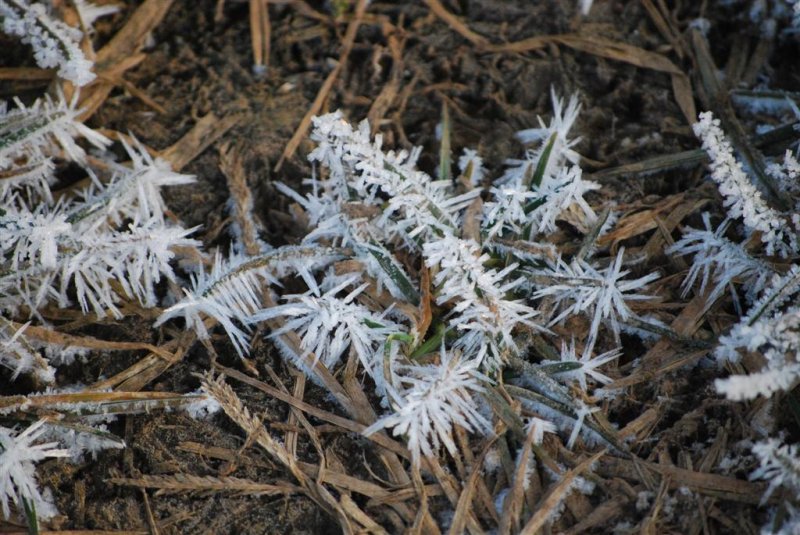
x=54, y=43
x=601, y=294
x=482, y=315
x=436, y=398
x=780, y=465
x=726, y=260
x=741, y=198
x=328, y=324
x=18, y=453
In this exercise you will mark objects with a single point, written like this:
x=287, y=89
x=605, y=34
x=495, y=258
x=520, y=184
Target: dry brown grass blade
x=363, y=412
x=662, y=239
x=378, y=495
x=28, y=74
x=597, y=46
x=205, y=132
x=169, y=484
x=556, y=494
x=684, y=96
x=236, y=411
x=450, y=488
x=402, y=495
x=425, y=306
x=758, y=59
x=51, y=336
x=122, y=52
x=661, y=357
x=665, y=27
x=231, y=163
x=642, y=426
x=132, y=37
x=602, y=515
x=456, y=25
x=513, y=502
x=355, y=512
x=224, y=454
x=681, y=160
x=260, y=34
x=391, y=89
x=152, y=366
x=465, y=500
x=616, y=51
x=327, y=85
x=93, y=96
x=636, y=223
x=296, y=416
x=95, y=402
x=344, y=423
x=724, y=487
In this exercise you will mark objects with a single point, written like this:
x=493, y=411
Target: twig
x=316, y=106
x=260, y=31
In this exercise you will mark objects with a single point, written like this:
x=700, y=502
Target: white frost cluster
x=395, y=242
x=602, y=294
x=18, y=454
x=31, y=136
x=433, y=399
x=769, y=328
x=482, y=316
x=79, y=244
x=534, y=192
x=98, y=249
x=721, y=260
x=55, y=44
x=775, y=337
x=741, y=198
x=779, y=464
x=328, y=324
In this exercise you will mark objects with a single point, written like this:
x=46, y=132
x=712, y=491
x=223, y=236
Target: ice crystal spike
x=54, y=43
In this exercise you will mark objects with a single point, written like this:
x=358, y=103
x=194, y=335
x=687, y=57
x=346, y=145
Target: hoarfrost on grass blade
x=717, y=255
x=328, y=324
x=231, y=292
x=18, y=453
x=560, y=125
x=472, y=161
x=741, y=198
x=31, y=135
x=18, y=355
x=520, y=204
x=779, y=464
x=482, y=314
x=584, y=410
x=751, y=331
x=436, y=398
x=539, y=427
x=32, y=237
x=585, y=367
x=418, y=206
x=55, y=44
x=776, y=338
x=601, y=294
x=134, y=192
x=135, y=259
